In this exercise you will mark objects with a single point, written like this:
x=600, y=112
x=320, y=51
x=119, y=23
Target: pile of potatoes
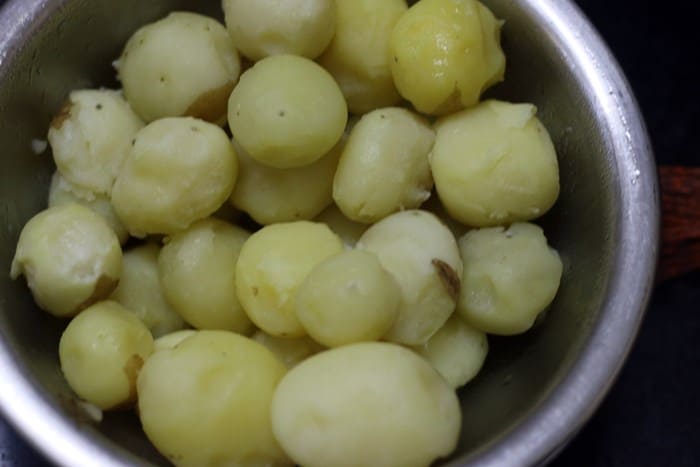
x=286, y=239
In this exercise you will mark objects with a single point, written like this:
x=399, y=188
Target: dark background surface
x=652, y=415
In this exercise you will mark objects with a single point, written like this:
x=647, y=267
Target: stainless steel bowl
x=536, y=390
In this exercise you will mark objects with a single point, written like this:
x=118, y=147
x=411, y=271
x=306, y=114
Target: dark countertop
x=652, y=415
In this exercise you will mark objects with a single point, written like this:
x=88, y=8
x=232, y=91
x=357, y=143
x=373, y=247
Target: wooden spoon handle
x=680, y=213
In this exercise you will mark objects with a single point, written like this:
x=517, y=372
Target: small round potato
x=349, y=231
x=70, y=257
x=292, y=351
x=370, y=403
x=510, y=276
x=198, y=274
x=348, y=298
x=358, y=56
x=180, y=170
x=183, y=65
x=445, y=53
x=102, y=351
x=422, y=255
x=384, y=167
x=90, y=138
x=272, y=265
x=495, y=164
x=207, y=401
x=62, y=191
x=457, y=351
x=287, y=112
x=140, y=291
x=272, y=195
x=260, y=28
x=170, y=341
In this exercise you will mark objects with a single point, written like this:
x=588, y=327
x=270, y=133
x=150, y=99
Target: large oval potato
x=371, y=403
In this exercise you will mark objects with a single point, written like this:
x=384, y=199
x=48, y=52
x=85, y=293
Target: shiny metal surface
x=536, y=390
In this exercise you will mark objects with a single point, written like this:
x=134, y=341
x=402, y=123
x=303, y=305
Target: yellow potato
x=445, y=53
x=349, y=231
x=290, y=351
x=495, y=164
x=358, y=56
x=102, y=351
x=273, y=264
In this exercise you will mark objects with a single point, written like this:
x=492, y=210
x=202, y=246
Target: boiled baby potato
x=70, y=257
x=140, y=291
x=287, y=111
x=90, y=138
x=370, y=403
x=182, y=65
x=61, y=191
x=457, y=351
x=206, y=401
x=422, y=255
x=198, y=273
x=273, y=264
x=445, y=53
x=348, y=298
x=169, y=341
x=290, y=351
x=102, y=351
x=495, y=164
x=271, y=195
x=510, y=276
x=260, y=28
x=384, y=167
x=359, y=56
x=179, y=170
x=348, y=230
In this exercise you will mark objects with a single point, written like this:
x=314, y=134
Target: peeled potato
x=102, y=351
x=180, y=170
x=287, y=111
x=348, y=230
x=384, y=166
x=290, y=351
x=273, y=264
x=260, y=28
x=422, y=255
x=90, y=138
x=445, y=53
x=140, y=291
x=510, y=276
x=371, y=403
x=457, y=351
x=359, y=55
x=182, y=65
x=70, y=257
x=198, y=274
x=495, y=164
x=206, y=401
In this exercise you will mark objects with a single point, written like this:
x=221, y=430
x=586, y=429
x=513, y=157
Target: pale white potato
x=102, y=351
x=422, y=255
x=359, y=55
x=445, y=53
x=271, y=195
x=197, y=270
x=348, y=298
x=290, y=351
x=70, y=258
x=260, y=28
x=287, y=111
x=169, y=341
x=348, y=230
x=273, y=263
x=206, y=401
x=90, y=138
x=495, y=164
x=61, y=191
x=384, y=167
x=370, y=403
x=140, y=291
x=182, y=65
x=510, y=276
x=457, y=351
x=179, y=170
